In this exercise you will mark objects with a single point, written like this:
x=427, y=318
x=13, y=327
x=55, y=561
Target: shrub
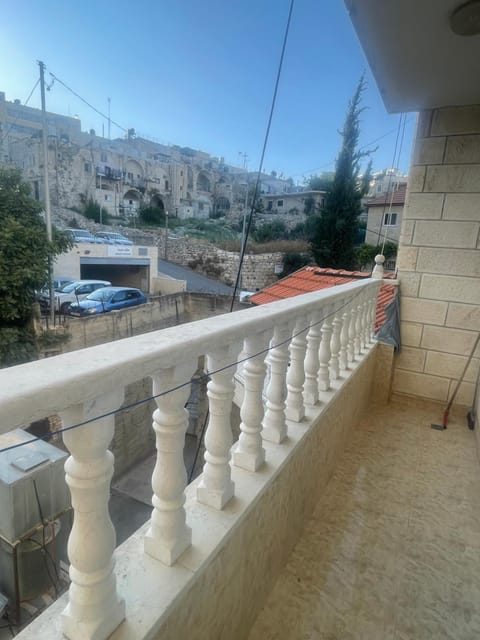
x=93, y=211
x=152, y=215
x=292, y=261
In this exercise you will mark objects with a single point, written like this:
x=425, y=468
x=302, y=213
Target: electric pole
x=48, y=217
x=109, y=118
x=244, y=155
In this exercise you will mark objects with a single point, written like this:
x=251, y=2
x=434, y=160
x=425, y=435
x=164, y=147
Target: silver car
x=75, y=291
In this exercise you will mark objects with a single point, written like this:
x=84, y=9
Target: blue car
x=107, y=299
x=109, y=237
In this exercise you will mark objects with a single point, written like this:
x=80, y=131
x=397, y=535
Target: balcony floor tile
x=392, y=551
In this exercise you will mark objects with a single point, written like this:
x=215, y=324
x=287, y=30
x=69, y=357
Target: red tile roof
x=317, y=278
x=384, y=201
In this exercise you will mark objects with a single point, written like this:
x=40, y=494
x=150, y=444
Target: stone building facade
x=121, y=175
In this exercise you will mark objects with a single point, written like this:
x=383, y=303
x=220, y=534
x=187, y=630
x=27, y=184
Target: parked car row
x=102, y=237
x=88, y=297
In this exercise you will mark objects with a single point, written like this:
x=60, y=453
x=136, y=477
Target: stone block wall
x=439, y=258
x=258, y=269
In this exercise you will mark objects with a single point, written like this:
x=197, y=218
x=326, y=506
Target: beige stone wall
x=376, y=231
x=224, y=599
x=439, y=258
x=258, y=269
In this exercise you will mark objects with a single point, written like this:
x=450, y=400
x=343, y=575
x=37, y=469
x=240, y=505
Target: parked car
x=43, y=296
x=81, y=235
x=109, y=237
x=107, y=299
x=76, y=291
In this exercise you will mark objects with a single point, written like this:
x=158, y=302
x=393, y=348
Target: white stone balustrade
x=216, y=486
x=312, y=362
x=169, y=535
x=357, y=341
x=325, y=351
x=274, y=422
x=295, y=407
x=328, y=326
x=335, y=346
x=352, y=328
x=94, y=609
x=344, y=338
x=249, y=453
x=372, y=308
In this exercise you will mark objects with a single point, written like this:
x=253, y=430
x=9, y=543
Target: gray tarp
x=389, y=332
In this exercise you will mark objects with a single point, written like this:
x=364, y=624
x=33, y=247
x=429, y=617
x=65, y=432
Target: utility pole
x=166, y=233
x=48, y=217
x=244, y=155
x=108, y=118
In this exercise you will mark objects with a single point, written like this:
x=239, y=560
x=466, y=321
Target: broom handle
x=460, y=380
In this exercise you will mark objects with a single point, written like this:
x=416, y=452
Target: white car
x=76, y=291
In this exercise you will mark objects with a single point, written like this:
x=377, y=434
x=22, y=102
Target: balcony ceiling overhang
x=417, y=60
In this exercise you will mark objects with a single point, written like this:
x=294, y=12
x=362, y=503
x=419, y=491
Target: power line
x=18, y=116
x=87, y=103
x=262, y=157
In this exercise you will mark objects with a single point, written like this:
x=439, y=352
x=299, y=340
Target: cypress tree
x=334, y=228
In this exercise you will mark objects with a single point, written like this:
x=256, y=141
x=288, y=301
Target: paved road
x=196, y=283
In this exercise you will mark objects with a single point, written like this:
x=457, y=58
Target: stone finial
x=378, y=269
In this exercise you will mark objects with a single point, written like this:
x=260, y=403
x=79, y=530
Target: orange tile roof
x=317, y=278
x=384, y=201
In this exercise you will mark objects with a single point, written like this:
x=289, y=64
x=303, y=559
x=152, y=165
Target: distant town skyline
x=202, y=75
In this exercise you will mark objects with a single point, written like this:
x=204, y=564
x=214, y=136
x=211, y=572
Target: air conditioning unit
x=34, y=508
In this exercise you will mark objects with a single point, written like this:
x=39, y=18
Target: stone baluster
x=94, y=608
x=216, y=487
x=343, y=357
x=335, y=346
x=358, y=326
x=361, y=318
x=249, y=453
x=312, y=363
x=295, y=409
x=352, y=311
x=365, y=319
x=274, y=421
x=168, y=535
x=325, y=350
x=372, y=304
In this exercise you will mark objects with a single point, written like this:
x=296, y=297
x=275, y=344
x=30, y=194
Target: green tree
x=334, y=228
x=25, y=253
x=366, y=253
x=269, y=231
x=292, y=261
x=321, y=182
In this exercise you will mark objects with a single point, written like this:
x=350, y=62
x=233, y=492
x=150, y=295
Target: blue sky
x=201, y=74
